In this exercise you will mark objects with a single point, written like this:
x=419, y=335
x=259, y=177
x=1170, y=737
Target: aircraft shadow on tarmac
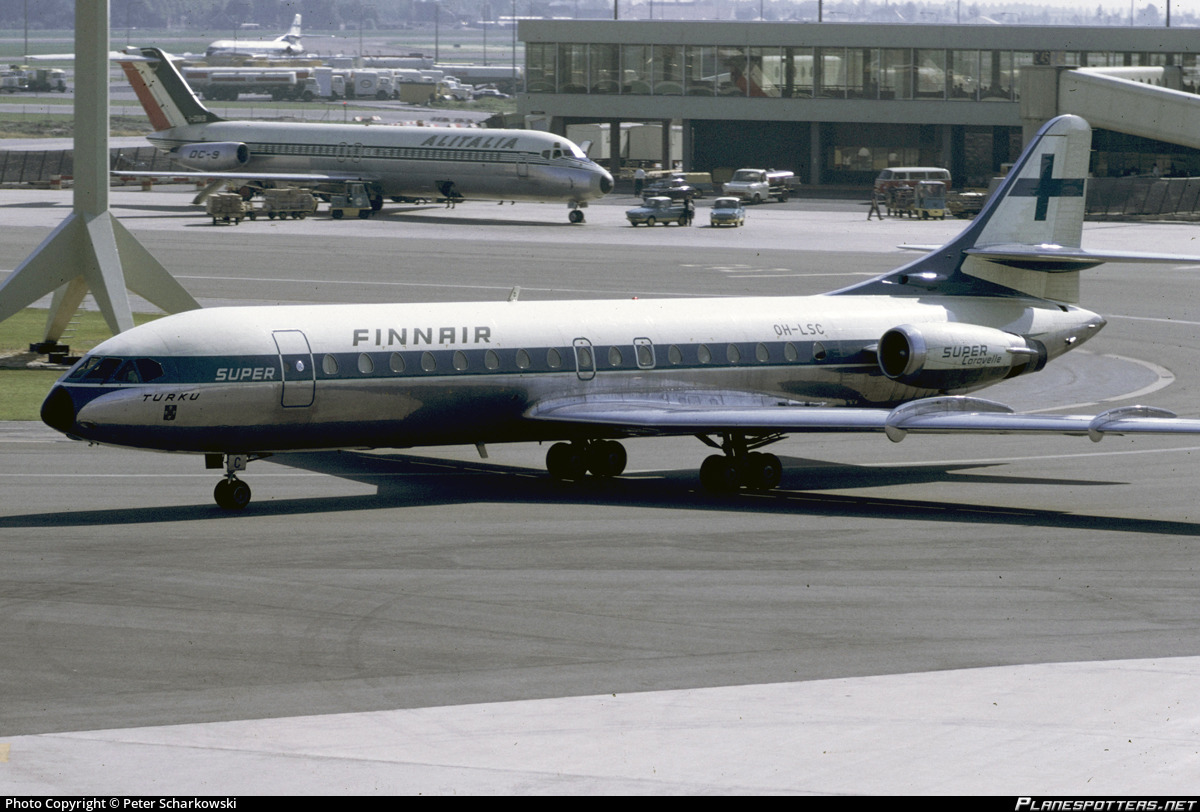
x=165, y=212
x=407, y=480
x=37, y=204
x=422, y=215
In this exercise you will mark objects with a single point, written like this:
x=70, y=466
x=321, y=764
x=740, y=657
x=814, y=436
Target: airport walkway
x=1146, y=102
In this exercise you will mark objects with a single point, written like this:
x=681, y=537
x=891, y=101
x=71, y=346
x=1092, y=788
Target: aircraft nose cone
x=606, y=183
x=58, y=410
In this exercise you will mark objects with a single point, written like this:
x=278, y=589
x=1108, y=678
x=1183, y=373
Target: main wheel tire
x=606, y=458
x=719, y=474
x=762, y=472
x=566, y=461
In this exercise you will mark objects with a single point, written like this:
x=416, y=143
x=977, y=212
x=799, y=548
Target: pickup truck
x=757, y=185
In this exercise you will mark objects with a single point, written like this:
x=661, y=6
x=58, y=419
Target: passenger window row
x=642, y=356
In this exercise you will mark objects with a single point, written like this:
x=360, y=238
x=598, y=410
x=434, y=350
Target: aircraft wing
x=291, y=177
x=716, y=412
x=214, y=180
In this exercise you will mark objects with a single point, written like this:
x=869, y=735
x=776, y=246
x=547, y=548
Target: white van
x=895, y=176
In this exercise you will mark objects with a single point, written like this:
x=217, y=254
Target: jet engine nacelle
x=217, y=156
x=952, y=356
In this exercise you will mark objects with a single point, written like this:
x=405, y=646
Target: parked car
x=674, y=187
x=660, y=209
x=727, y=211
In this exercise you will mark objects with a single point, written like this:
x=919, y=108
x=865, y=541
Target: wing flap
x=714, y=412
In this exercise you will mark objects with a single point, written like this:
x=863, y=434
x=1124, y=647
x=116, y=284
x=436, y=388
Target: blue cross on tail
x=1046, y=187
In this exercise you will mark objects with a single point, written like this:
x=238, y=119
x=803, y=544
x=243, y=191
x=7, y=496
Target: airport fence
x=42, y=167
x=1173, y=198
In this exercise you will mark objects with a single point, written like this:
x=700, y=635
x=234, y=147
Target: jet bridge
x=1146, y=102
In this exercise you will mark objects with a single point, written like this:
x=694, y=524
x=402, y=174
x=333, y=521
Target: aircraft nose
x=58, y=410
x=603, y=181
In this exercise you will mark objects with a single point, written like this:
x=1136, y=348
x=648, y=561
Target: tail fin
x=1026, y=240
x=165, y=96
x=1028, y=236
x=293, y=33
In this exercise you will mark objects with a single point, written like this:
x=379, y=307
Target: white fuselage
x=265, y=379
x=407, y=162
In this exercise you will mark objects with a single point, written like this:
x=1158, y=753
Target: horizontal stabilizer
x=1058, y=258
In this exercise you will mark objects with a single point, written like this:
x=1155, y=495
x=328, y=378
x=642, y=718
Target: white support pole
x=91, y=250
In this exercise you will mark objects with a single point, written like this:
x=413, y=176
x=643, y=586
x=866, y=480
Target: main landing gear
x=231, y=493
x=574, y=460
x=740, y=466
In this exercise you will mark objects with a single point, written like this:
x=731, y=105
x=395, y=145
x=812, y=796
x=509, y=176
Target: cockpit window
x=127, y=373
x=85, y=366
x=149, y=369
x=101, y=371
x=98, y=369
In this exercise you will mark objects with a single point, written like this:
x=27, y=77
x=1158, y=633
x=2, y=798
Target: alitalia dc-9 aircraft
x=393, y=162
x=896, y=354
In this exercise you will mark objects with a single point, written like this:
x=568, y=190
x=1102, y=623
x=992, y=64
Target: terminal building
x=838, y=102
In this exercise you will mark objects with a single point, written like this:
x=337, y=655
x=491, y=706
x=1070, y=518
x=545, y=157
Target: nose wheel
x=232, y=494
x=576, y=216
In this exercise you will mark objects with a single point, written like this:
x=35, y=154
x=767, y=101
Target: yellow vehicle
x=354, y=203
x=929, y=200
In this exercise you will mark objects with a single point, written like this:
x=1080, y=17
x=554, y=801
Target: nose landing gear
x=231, y=493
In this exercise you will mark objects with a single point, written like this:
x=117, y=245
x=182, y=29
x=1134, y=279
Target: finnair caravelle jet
x=284, y=45
x=894, y=354
x=395, y=162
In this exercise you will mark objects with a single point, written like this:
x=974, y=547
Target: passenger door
x=299, y=373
